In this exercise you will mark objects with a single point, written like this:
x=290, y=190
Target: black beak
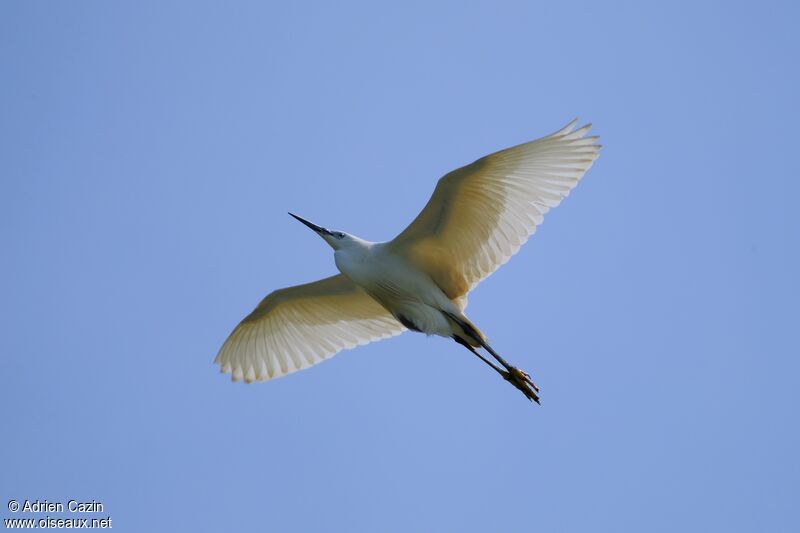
x=318, y=229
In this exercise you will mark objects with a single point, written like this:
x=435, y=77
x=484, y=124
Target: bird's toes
x=523, y=383
x=523, y=376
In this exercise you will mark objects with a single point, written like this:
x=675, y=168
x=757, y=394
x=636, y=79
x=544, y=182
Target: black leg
x=515, y=376
x=470, y=331
x=465, y=344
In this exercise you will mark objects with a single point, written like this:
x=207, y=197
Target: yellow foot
x=523, y=382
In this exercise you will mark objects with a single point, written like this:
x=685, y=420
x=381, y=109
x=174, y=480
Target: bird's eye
x=339, y=235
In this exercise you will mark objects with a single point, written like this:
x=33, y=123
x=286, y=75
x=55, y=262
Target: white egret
x=477, y=218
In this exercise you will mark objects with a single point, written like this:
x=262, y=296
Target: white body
x=400, y=287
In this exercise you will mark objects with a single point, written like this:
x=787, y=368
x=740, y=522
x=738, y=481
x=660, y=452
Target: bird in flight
x=477, y=218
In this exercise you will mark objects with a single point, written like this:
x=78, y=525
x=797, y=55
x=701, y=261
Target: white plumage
x=477, y=218
x=300, y=326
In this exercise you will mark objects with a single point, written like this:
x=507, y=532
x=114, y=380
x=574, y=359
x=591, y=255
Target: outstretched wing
x=296, y=327
x=480, y=214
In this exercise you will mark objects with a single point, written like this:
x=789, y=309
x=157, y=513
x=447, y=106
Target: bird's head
x=336, y=239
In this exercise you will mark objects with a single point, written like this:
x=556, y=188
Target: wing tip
x=571, y=133
x=566, y=130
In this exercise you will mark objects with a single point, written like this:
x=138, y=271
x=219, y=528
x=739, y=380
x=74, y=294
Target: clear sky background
x=149, y=152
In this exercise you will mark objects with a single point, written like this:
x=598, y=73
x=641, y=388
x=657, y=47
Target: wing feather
x=481, y=214
x=294, y=328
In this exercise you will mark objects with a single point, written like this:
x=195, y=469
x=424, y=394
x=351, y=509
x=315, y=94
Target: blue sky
x=149, y=153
